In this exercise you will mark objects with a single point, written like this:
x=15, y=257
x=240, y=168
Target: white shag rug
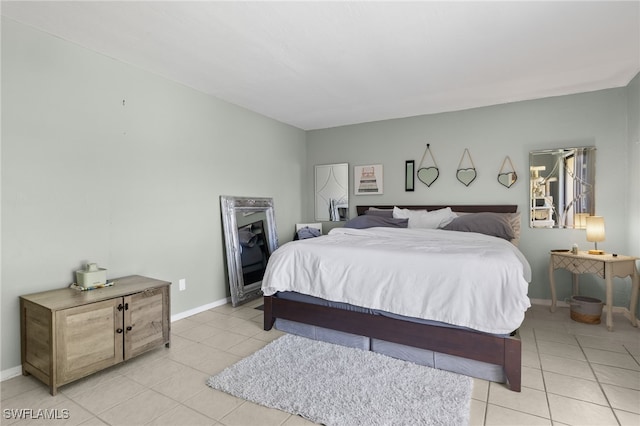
x=336, y=385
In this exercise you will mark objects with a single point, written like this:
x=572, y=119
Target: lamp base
x=596, y=251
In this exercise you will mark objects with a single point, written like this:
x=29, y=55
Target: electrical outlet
x=182, y=284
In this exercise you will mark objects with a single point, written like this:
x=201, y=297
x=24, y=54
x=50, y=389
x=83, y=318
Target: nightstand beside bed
x=606, y=266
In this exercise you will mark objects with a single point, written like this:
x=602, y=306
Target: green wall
x=589, y=119
x=108, y=163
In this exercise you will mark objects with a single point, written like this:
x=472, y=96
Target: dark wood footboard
x=506, y=352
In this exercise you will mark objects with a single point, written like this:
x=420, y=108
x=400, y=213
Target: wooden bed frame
x=506, y=352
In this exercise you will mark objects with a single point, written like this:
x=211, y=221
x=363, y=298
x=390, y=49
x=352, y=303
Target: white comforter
x=461, y=278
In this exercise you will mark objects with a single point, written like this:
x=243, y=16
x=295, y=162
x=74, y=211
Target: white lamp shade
x=595, y=228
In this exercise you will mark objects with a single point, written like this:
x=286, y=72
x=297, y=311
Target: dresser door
x=146, y=320
x=88, y=338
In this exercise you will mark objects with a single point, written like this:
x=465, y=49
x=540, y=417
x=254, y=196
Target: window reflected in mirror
x=562, y=187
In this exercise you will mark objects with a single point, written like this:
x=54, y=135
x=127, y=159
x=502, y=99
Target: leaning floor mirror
x=250, y=237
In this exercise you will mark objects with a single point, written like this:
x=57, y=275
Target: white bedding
x=461, y=278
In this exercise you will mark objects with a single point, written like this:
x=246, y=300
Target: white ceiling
x=325, y=64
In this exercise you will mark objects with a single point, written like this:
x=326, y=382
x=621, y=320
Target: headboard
x=467, y=208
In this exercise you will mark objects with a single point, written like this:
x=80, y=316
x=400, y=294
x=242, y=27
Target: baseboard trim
x=12, y=372
x=199, y=309
x=563, y=304
x=543, y=302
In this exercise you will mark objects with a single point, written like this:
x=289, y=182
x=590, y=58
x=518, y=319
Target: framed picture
x=367, y=180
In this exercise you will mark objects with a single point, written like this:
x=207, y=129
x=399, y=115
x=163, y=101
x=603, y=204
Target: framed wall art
x=368, y=180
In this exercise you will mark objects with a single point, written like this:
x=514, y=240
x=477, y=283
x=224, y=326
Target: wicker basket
x=585, y=309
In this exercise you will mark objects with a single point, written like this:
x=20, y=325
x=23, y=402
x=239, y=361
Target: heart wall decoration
x=468, y=174
x=429, y=174
x=507, y=179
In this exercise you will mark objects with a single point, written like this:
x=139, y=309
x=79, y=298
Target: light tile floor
x=573, y=374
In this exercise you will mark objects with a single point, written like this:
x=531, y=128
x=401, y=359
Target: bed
x=468, y=346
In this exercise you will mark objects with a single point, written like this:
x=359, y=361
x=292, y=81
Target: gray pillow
x=372, y=221
x=494, y=224
x=379, y=212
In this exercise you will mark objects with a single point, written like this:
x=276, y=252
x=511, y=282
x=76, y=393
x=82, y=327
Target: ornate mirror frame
x=241, y=212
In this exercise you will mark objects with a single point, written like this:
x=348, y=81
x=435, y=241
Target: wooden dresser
x=67, y=334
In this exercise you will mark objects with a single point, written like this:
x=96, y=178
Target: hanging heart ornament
x=507, y=179
x=428, y=175
x=466, y=176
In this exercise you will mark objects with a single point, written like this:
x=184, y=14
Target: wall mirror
x=332, y=192
x=562, y=187
x=250, y=237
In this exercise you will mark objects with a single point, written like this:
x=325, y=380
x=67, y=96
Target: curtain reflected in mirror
x=562, y=187
x=250, y=238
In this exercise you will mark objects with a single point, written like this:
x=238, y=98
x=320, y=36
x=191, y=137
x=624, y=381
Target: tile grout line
x=598, y=380
x=544, y=381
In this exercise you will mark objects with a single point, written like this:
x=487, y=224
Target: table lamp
x=595, y=232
